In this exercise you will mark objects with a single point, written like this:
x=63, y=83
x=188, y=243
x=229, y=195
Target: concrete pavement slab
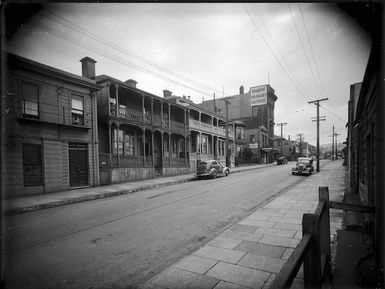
x=225, y=243
x=286, y=220
x=279, y=241
x=220, y=254
x=287, y=253
x=261, y=249
x=196, y=264
x=244, y=227
x=240, y=275
x=257, y=223
x=263, y=263
x=244, y=236
x=176, y=278
x=228, y=285
x=276, y=232
x=288, y=226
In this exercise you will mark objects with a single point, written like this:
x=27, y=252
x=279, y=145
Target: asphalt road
x=123, y=241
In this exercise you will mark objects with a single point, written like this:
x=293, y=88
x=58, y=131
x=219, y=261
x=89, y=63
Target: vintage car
x=281, y=161
x=304, y=166
x=211, y=168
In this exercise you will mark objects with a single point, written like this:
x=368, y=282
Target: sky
x=304, y=51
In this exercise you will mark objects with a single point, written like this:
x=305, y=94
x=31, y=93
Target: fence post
x=312, y=259
x=323, y=193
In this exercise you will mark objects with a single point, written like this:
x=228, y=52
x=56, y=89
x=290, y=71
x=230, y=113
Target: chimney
x=241, y=90
x=88, y=67
x=131, y=83
x=167, y=93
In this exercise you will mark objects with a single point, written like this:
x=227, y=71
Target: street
x=122, y=242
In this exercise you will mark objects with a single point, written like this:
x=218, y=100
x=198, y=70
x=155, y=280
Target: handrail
x=290, y=269
x=313, y=250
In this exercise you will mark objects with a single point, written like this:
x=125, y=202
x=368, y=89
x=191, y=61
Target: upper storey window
x=30, y=100
x=77, y=110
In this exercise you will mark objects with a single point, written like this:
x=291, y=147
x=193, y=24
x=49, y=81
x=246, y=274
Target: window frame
x=75, y=112
x=25, y=100
x=27, y=178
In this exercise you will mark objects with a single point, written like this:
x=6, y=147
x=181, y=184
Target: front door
x=78, y=164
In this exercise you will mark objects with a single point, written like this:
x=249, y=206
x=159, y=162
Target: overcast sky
x=304, y=51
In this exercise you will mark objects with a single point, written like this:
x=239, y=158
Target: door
x=78, y=164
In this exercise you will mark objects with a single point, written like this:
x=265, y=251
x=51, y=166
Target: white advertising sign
x=258, y=95
x=253, y=145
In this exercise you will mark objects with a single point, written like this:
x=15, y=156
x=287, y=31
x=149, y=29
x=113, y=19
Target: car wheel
x=293, y=173
x=214, y=175
x=226, y=173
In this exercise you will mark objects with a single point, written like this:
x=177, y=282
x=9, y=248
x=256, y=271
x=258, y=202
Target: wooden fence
x=314, y=248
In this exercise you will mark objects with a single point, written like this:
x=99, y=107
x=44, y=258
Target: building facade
x=367, y=147
x=255, y=109
x=141, y=135
x=49, y=128
x=207, y=130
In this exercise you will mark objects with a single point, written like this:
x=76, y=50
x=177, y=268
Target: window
x=32, y=165
x=129, y=143
x=252, y=138
x=120, y=142
x=77, y=110
x=174, y=143
x=221, y=145
x=30, y=100
x=204, y=144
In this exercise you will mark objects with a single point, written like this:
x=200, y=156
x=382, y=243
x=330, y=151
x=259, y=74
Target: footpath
x=44, y=201
x=250, y=253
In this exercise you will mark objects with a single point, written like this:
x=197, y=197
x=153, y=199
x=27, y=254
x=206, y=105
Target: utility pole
x=315, y=119
x=281, y=124
x=300, y=143
x=336, y=134
x=227, y=102
x=333, y=144
x=316, y=102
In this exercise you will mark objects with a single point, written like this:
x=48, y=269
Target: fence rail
x=313, y=250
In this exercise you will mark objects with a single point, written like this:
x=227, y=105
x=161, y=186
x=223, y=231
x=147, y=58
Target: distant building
x=255, y=109
x=49, y=128
x=207, y=130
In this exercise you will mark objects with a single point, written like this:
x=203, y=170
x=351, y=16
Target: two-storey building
x=141, y=135
x=207, y=130
x=49, y=128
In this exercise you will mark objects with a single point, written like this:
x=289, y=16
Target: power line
x=311, y=50
x=303, y=49
x=81, y=30
x=279, y=52
x=108, y=55
x=272, y=52
x=334, y=114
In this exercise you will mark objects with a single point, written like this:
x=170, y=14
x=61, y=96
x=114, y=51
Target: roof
x=28, y=64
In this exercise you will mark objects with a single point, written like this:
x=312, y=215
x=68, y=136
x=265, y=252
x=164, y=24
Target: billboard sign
x=258, y=95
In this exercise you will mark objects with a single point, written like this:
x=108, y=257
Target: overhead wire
x=303, y=49
x=58, y=19
x=108, y=55
x=279, y=51
x=272, y=52
x=311, y=50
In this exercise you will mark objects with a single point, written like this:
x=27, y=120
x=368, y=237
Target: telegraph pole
x=333, y=144
x=300, y=143
x=336, y=134
x=316, y=102
x=281, y=124
x=227, y=102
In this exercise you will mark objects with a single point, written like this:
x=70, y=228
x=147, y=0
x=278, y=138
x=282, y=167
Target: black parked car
x=211, y=168
x=304, y=166
x=281, y=161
